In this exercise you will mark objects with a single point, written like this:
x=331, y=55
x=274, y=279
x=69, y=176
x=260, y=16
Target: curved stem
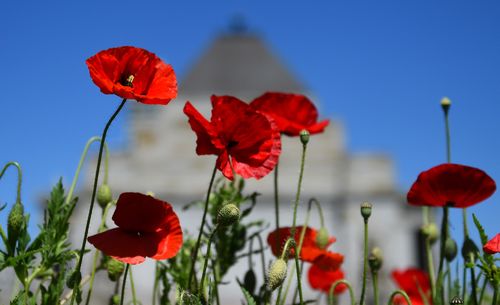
x=331, y=293
x=276, y=206
x=123, y=284
x=96, y=253
x=80, y=164
x=94, y=189
x=297, y=195
x=203, y=220
x=19, y=177
x=320, y=210
x=365, y=263
x=402, y=293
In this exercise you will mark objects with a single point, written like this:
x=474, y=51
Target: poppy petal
x=170, y=238
x=206, y=141
x=493, y=245
x=412, y=280
x=136, y=212
x=320, y=279
x=452, y=185
x=329, y=261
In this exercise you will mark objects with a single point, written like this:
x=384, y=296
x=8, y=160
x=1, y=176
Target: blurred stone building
x=160, y=157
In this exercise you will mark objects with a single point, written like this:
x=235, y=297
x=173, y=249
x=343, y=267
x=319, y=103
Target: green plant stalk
x=96, y=252
x=94, y=191
x=428, y=253
x=203, y=220
x=132, y=286
x=331, y=293
x=80, y=164
x=27, y=284
x=448, y=278
x=216, y=280
x=155, y=285
x=473, y=281
x=375, y=287
x=19, y=177
x=207, y=256
x=402, y=293
x=122, y=298
x=297, y=195
x=495, y=294
x=483, y=289
x=464, y=283
x=299, y=281
x=444, y=236
x=365, y=262
x=276, y=206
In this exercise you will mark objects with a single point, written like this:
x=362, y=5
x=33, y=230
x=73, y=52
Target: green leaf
x=480, y=229
x=248, y=296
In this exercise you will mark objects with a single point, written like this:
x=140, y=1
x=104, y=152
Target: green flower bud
x=250, y=281
x=304, y=137
x=445, y=104
x=115, y=269
x=450, y=249
x=114, y=300
x=366, y=210
x=228, y=215
x=104, y=195
x=469, y=249
x=375, y=259
x=74, y=280
x=187, y=298
x=277, y=274
x=15, y=223
x=322, y=238
x=431, y=232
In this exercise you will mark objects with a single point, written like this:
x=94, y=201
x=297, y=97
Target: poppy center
x=232, y=143
x=128, y=81
x=450, y=204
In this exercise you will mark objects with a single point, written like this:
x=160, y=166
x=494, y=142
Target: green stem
x=297, y=195
x=80, y=164
x=276, y=206
x=473, y=281
x=94, y=190
x=464, y=282
x=495, y=294
x=483, y=289
x=444, y=236
x=365, y=263
x=299, y=281
x=203, y=219
x=448, y=277
x=155, y=285
x=19, y=177
x=402, y=293
x=207, y=256
x=375, y=287
x=331, y=293
x=122, y=298
x=428, y=252
x=132, y=286
x=96, y=253
x=216, y=280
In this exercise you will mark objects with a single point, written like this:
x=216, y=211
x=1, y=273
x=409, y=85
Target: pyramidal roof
x=239, y=63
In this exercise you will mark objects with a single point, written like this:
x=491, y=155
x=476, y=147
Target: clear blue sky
x=379, y=66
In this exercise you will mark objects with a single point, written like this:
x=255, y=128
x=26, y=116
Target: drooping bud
x=366, y=210
x=250, y=281
x=228, y=215
x=375, y=259
x=304, y=136
x=469, y=249
x=115, y=269
x=431, y=232
x=15, y=223
x=104, y=195
x=445, y=104
x=114, y=300
x=277, y=274
x=322, y=238
x=450, y=249
x=74, y=280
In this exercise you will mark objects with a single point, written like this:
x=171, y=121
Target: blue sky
x=381, y=67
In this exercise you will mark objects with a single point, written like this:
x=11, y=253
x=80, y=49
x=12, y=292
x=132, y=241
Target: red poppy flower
x=320, y=279
x=147, y=227
x=133, y=73
x=310, y=250
x=292, y=112
x=329, y=261
x=238, y=135
x=493, y=246
x=452, y=185
x=414, y=282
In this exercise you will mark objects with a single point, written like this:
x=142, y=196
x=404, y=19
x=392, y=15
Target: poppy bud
x=445, y=104
x=115, y=269
x=456, y=301
x=304, y=136
x=431, y=232
x=277, y=274
x=250, y=281
x=15, y=223
x=375, y=259
x=74, y=280
x=469, y=248
x=322, y=238
x=366, y=210
x=228, y=215
x=450, y=249
x=104, y=195
x=114, y=300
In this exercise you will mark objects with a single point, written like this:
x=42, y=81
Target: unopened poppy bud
x=104, y=195
x=115, y=269
x=375, y=259
x=450, y=249
x=431, y=232
x=445, y=104
x=366, y=210
x=277, y=274
x=469, y=249
x=74, y=280
x=304, y=137
x=456, y=301
x=187, y=298
x=228, y=215
x=250, y=281
x=322, y=238
x=15, y=222
x=114, y=300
